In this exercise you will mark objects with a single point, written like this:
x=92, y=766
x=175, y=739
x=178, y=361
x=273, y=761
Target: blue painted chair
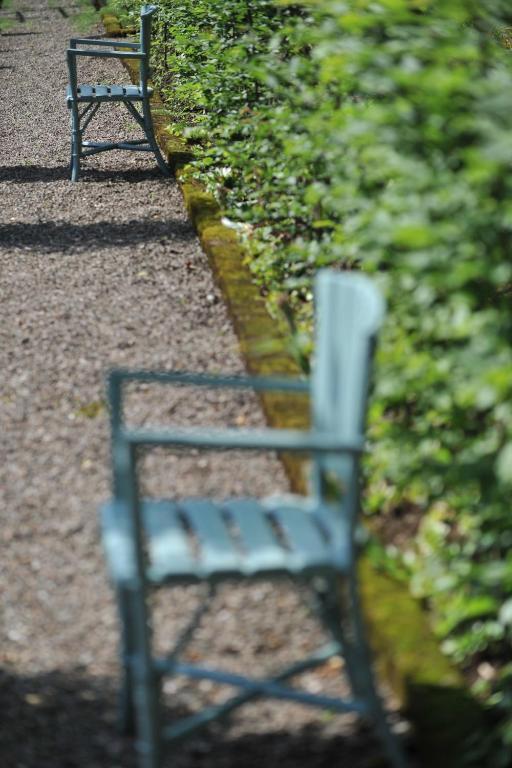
x=85, y=100
x=310, y=539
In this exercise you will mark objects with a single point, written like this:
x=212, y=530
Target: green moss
x=205, y=212
x=112, y=26
x=407, y=654
x=404, y=628
x=177, y=152
x=91, y=410
x=132, y=67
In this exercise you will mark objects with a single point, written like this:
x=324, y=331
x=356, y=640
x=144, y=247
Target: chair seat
x=196, y=539
x=88, y=93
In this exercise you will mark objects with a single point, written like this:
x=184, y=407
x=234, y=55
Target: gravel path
x=100, y=273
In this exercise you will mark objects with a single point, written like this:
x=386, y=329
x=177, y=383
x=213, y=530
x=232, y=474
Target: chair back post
x=350, y=311
x=71, y=62
x=146, y=19
x=115, y=395
x=124, y=473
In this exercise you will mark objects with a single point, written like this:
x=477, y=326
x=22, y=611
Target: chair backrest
x=146, y=20
x=349, y=312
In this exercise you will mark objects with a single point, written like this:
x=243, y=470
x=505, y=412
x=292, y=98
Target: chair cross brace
x=91, y=109
x=135, y=113
x=252, y=689
x=132, y=145
x=93, y=147
x=187, y=634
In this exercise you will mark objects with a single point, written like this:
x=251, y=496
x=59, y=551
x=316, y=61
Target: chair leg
x=150, y=134
x=146, y=686
x=333, y=615
x=76, y=143
x=343, y=616
x=126, y=702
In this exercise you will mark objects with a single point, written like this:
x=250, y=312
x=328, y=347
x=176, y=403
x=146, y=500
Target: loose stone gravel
x=95, y=274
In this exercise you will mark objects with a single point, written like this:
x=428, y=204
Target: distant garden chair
x=85, y=100
x=312, y=540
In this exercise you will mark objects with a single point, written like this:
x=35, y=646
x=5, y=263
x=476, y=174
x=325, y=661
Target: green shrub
x=377, y=134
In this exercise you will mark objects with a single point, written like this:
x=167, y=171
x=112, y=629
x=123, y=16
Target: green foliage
x=6, y=24
x=86, y=17
x=377, y=134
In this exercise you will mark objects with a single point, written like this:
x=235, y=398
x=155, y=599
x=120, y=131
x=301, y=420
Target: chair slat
x=102, y=91
x=118, y=541
x=307, y=544
x=262, y=551
x=117, y=91
x=168, y=546
x=218, y=549
x=85, y=92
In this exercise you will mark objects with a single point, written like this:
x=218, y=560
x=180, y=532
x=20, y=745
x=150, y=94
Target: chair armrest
x=119, y=376
x=288, y=384
x=112, y=43
x=72, y=52
x=293, y=440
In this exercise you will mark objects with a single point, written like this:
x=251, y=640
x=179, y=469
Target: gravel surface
x=100, y=273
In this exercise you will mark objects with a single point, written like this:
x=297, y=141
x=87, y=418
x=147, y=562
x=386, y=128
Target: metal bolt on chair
x=310, y=540
x=85, y=100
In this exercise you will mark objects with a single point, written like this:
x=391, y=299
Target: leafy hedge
x=377, y=134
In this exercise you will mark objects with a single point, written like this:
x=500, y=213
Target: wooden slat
x=262, y=551
x=116, y=91
x=218, y=550
x=336, y=526
x=85, y=92
x=168, y=545
x=307, y=545
x=257, y=552
x=107, y=93
x=133, y=91
x=118, y=542
x=102, y=91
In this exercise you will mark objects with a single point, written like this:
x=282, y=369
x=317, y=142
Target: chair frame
x=80, y=119
x=335, y=594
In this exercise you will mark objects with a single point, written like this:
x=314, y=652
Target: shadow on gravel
x=48, y=236
x=58, y=720
x=66, y=720
x=19, y=34
x=23, y=174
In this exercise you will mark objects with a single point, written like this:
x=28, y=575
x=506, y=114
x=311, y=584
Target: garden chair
x=85, y=100
x=311, y=540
